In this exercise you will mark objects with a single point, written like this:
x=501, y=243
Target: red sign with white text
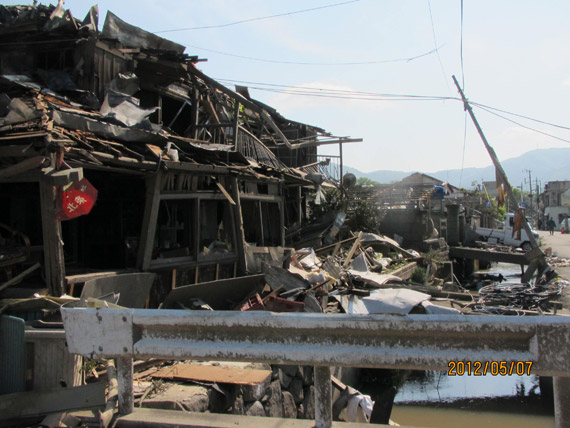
x=77, y=200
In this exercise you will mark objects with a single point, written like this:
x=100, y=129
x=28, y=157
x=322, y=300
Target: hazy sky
x=516, y=57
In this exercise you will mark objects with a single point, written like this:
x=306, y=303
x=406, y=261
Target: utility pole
x=538, y=259
x=530, y=188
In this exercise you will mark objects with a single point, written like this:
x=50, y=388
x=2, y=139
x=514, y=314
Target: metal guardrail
x=375, y=341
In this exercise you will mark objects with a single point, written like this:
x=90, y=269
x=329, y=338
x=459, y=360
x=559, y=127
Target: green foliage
x=366, y=216
x=366, y=182
x=419, y=275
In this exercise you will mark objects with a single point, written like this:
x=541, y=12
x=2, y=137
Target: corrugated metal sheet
x=12, y=350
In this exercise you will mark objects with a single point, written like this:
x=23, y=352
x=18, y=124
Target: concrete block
x=190, y=397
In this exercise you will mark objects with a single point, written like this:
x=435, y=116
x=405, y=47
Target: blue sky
x=515, y=56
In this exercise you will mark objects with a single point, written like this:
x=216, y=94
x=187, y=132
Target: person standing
x=550, y=225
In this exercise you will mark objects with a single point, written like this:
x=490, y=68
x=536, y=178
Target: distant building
x=555, y=202
x=490, y=187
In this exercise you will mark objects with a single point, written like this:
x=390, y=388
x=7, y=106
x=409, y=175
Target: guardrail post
x=125, y=378
x=323, y=397
x=561, y=401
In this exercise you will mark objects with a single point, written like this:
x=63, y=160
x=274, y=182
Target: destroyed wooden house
x=416, y=209
x=189, y=179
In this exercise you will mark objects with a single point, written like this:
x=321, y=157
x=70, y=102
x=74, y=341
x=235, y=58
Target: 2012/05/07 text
x=495, y=368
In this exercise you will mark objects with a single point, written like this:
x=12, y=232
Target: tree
x=366, y=182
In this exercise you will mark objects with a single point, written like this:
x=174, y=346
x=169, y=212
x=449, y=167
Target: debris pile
x=367, y=273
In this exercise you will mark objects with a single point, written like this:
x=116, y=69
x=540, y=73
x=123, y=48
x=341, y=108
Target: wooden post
x=194, y=111
x=238, y=224
x=54, y=261
x=148, y=230
x=299, y=205
x=282, y=221
x=340, y=164
x=236, y=125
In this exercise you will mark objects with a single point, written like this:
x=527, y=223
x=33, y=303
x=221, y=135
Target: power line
x=324, y=91
x=370, y=97
x=376, y=96
x=521, y=125
x=436, y=49
x=520, y=115
x=461, y=50
x=319, y=63
x=229, y=24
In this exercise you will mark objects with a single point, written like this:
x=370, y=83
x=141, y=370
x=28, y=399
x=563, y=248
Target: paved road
x=560, y=245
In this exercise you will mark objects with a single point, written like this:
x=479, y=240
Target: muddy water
x=434, y=399
x=452, y=418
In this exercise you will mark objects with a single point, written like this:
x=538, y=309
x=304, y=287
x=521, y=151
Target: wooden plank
x=225, y=192
x=36, y=403
x=80, y=278
x=19, y=277
x=217, y=374
x=352, y=251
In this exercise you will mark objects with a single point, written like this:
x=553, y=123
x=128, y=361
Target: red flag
x=77, y=200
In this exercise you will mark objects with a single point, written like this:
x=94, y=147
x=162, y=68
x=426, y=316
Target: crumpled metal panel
x=134, y=37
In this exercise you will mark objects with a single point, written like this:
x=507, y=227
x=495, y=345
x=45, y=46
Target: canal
x=434, y=399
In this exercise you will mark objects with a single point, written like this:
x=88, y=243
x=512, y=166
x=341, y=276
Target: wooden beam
x=24, y=166
x=62, y=177
x=16, y=150
x=489, y=256
x=19, y=277
x=194, y=111
x=150, y=216
x=265, y=116
x=37, y=403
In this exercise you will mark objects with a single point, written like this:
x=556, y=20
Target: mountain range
x=545, y=165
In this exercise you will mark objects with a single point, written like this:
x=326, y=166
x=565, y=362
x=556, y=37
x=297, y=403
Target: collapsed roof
x=126, y=97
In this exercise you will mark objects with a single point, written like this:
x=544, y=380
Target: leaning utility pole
x=535, y=255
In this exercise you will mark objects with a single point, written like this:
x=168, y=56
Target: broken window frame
x=196, y=258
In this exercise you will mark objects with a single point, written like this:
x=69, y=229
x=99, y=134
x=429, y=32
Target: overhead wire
x=520, y=115
x=408, y=59
x=229, y=24
x=461, y=50
x=436, y=49
x=376, y=96
x=301, y=90
x=520, y=124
